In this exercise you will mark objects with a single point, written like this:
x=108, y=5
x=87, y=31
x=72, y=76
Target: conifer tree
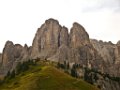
x=12, y=75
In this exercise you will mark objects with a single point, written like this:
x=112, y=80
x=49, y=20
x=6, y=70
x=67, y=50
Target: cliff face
x=53, y=42
x=111, y=58
x=78, y=36
x=46, y=40
x=110, y=54
x=0, y=59
x=12, y=54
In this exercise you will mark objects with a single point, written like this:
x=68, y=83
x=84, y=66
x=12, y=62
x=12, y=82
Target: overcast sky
x=19, y=19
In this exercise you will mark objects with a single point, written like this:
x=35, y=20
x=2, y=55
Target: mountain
x=51, y=39
x=42, y=77
x=53, y=42
x=12, y=54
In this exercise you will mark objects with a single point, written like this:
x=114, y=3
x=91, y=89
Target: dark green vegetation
x=21, y=67
x=90, y=75
x=43, y=76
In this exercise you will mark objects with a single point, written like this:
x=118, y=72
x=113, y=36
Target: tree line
x=21, y=67
x=90, y=75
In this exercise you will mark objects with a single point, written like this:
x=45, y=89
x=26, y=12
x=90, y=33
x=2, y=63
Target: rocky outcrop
x=78, y=36
x=12, y=54
x=110, y=54
x=46, y=40
x=0, y=59
x=106, y=50
x=53, y=42
x=7, y=56
x=49, y=37
x=81, y=49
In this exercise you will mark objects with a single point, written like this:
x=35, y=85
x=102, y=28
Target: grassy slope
x=45, y=78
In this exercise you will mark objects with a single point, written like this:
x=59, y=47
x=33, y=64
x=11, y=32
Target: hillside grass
x=45, y=77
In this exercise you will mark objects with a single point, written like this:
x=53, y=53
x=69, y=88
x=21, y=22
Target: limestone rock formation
x=53, y=42
x=110, y=54
x=0, y=59
x=62, y=54
x=7, y=56
x=46, y=39
x=78, y=36
x=49, y=37
x=12, y=54
x=64, y=36
x=118, y=43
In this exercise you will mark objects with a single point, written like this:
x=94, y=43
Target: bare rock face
x=49, y=37
x=82, y=51
x=12, y=54
x=106, y=50
x=110, y=54
x=74, y=47
x=7, y=56
x=64, y=36
x=117, y=54
x=25, y=53
x=78, y=36
x=118, y=43
x=79, y=39
x=53, y=42
x=46, y=41
x=0, y=59
x=62, y=54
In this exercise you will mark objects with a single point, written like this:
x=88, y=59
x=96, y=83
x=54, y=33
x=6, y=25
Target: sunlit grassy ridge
x=45, y=77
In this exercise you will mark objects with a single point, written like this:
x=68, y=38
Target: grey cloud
x=117, y=9
x=113, y=5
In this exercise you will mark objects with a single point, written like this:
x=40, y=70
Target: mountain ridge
x=53, y=42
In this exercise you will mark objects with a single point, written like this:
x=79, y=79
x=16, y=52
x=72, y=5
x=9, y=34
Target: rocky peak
x=78, y=36
x=18, y=46
x=9, y=43
x=51, y=21
x=26, y=46
x=118, y=43
x=7, y=56
x=48, y=39
x=12, y=53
